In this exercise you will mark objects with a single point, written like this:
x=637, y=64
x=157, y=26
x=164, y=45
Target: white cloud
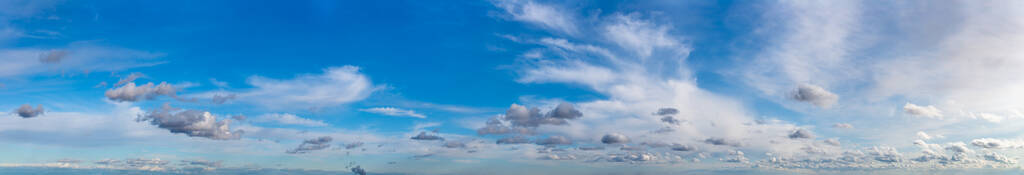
x=544, y=15
x=390, y=111
x=130, y=92
x=335, y=86
x=78, y=58
x=925, y=111
x=842, y=125
x=193, y=123
x=997, y=143
x=814, y=95
x=287, y=119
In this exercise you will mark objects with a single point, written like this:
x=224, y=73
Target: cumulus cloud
x=287, y=119
x=312, y=145
x=925, y=111
x=390, y=111
x=815, y=95
x=522, y=120
x=130, y=92
x=521, y=116
x=614, y=138
x=358, y=170
x=193, y=123
x=496, y=126
x=999, y=158
x=801, y=134
x=924, y=136
x=425, y=136
x=554, y=140
x=26, y=111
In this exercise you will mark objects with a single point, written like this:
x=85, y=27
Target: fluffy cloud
x=193, y=123
x=390, y=111
x=310, y=145
x=425, y=136
x=614, y=138
x=130, y=92
x=925, y=111
x=814, y=95
x=522, y=117
x=924, y=136
x=287, y=119
x=496, y=126
x=525, y=121
x=26, y=111
x=801, y=134
x=832, y=141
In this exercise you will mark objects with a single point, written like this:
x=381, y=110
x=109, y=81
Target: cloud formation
x=924, y=111
x=539, y=14
x=53, y=56
x=614, y=138
x=992, y=143
x=801, y=134
x=193, y=123
x=131, y=93
x=287, y=119
x=391, y=111
x=425, y=136
x=522, y=117
x=310, y=145
x=335, y=86
x=26, y=111
x=554, y=140
x=814, y=95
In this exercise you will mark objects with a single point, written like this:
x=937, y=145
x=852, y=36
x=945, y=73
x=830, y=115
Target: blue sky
x=513, y=86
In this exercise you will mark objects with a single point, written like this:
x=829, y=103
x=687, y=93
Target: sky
x=512, y=87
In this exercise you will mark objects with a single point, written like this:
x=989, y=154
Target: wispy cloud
x=391, y=111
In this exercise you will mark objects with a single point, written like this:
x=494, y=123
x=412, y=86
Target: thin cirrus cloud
x=287, y=119
x=391, y=111
x=333, y=86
